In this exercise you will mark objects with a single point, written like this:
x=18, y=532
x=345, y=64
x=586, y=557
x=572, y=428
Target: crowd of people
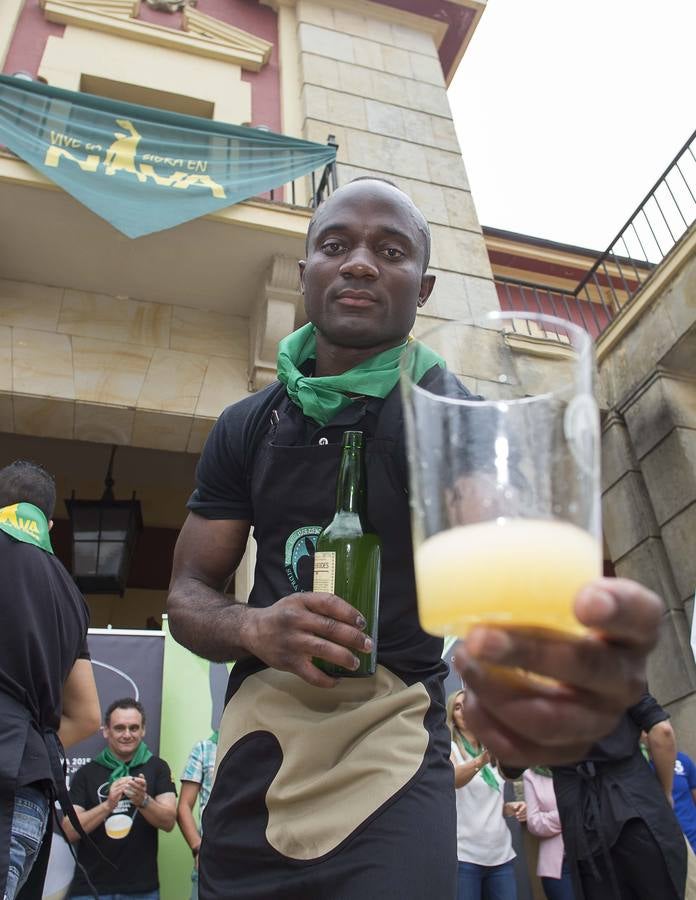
x=327, y=788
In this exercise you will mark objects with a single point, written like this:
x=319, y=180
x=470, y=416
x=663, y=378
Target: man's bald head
x=362, y=182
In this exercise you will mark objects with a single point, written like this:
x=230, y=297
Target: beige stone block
x=426, y=97
x=6, y=414
x=678, y=537
x=412, y=39
x=161, y=431
x=398, y=62
x=42, y=363
x=418, y=127
x=315, y=14
x=669, y=471
x=627, y=514
x=111, y=319
x=322, y=71
x=459, y=296
x=200, y=430
x=5, y=358
x=361, y=26
x=214, y=333
x=461, y=211
x=383, y=118
x=671, y=671
x=317, y=131
x=44, y=417
x=459, y=251
x=109, y=372
x=347, y=109
x=314, y=101
x=478, y=353
x=391, y=89
x=427, y=69
x=648, y=564
x=353, y=80
x=386, y=155
x=617, y=452
x=173, y=382
x=368, y=54
x=663, y=404
x=225, y=382
x=104, y=424
x=444, y=134
x=325, y=42
x=28, y=305
x=635, y=356
x=430, y=200
x=447, y=169
x=679, y=305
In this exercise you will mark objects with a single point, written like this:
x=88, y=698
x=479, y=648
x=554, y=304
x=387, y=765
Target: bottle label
x=324, y=571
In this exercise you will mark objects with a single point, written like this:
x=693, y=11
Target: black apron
x=342, y=793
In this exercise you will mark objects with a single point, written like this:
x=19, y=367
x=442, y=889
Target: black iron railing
x=660, y=222
x=323, y=182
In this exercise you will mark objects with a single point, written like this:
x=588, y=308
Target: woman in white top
x=484, y=845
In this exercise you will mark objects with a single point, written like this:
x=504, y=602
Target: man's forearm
x=160, y=814
x=187, y=824
x=89, y=819
x=210, y=624
x=663, y=750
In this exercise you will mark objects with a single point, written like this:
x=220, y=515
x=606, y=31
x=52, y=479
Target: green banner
x=145, y=169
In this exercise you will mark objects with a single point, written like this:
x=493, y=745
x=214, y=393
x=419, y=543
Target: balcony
x=656, y=232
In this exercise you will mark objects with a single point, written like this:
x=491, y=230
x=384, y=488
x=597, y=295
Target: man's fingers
x=338, y=633
x=623, y=611
x=535, y=710
x=335, y=608
x=512, y=749
x=588, y=663
x=308, y=672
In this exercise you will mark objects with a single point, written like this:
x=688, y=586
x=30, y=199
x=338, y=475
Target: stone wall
x=377, y=85
x=98, y=368
x=648, y=379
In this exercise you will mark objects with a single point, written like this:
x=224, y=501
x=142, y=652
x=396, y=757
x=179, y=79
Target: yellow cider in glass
x=512, y=572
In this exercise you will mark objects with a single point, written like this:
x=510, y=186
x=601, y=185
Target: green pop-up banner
x=145, y=169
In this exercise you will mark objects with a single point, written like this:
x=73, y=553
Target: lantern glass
x=104, y=535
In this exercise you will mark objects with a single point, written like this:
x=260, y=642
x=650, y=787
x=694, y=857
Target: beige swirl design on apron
x=346, y=751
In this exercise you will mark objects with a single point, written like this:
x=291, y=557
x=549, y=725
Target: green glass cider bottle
x=348, y=556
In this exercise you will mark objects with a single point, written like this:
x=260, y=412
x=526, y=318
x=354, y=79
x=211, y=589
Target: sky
x=568, y=111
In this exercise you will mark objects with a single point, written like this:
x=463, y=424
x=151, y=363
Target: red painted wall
x=32, y=30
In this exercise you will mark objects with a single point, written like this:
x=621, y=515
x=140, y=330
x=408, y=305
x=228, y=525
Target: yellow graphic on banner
x=9, y=516
x=122, y=156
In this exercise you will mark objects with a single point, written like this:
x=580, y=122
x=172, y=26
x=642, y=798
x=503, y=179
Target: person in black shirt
x=122, y=797
x=332, y=789
x=47, y=689
x=621, y=834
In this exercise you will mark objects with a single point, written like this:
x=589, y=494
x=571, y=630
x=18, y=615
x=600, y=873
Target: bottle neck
x=350, y=490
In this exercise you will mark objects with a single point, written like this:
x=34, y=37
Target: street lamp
x=104, y=536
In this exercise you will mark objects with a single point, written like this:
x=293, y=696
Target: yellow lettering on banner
x=121, y=156
x=54, y=154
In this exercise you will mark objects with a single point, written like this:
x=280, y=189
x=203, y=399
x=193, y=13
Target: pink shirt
x=543, y=821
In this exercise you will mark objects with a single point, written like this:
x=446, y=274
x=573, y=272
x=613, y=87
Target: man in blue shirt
x=684, y=796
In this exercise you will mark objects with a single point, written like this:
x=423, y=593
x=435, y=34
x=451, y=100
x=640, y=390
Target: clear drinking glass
x=504, y=489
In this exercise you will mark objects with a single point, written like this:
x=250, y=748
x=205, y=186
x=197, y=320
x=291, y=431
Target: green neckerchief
x=486, y=771
x=25, y=522
x=645, y=752
x=543, y=770
x=214, y=737
x=323, y=398
x=118, y=767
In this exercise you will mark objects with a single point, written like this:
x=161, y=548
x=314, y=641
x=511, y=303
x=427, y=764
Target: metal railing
x=661, y=220
x=321, y=186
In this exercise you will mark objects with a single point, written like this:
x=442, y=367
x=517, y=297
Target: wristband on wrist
x=145, y=802
x=194, y=851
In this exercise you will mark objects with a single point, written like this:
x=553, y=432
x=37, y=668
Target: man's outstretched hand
x=589, y=682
